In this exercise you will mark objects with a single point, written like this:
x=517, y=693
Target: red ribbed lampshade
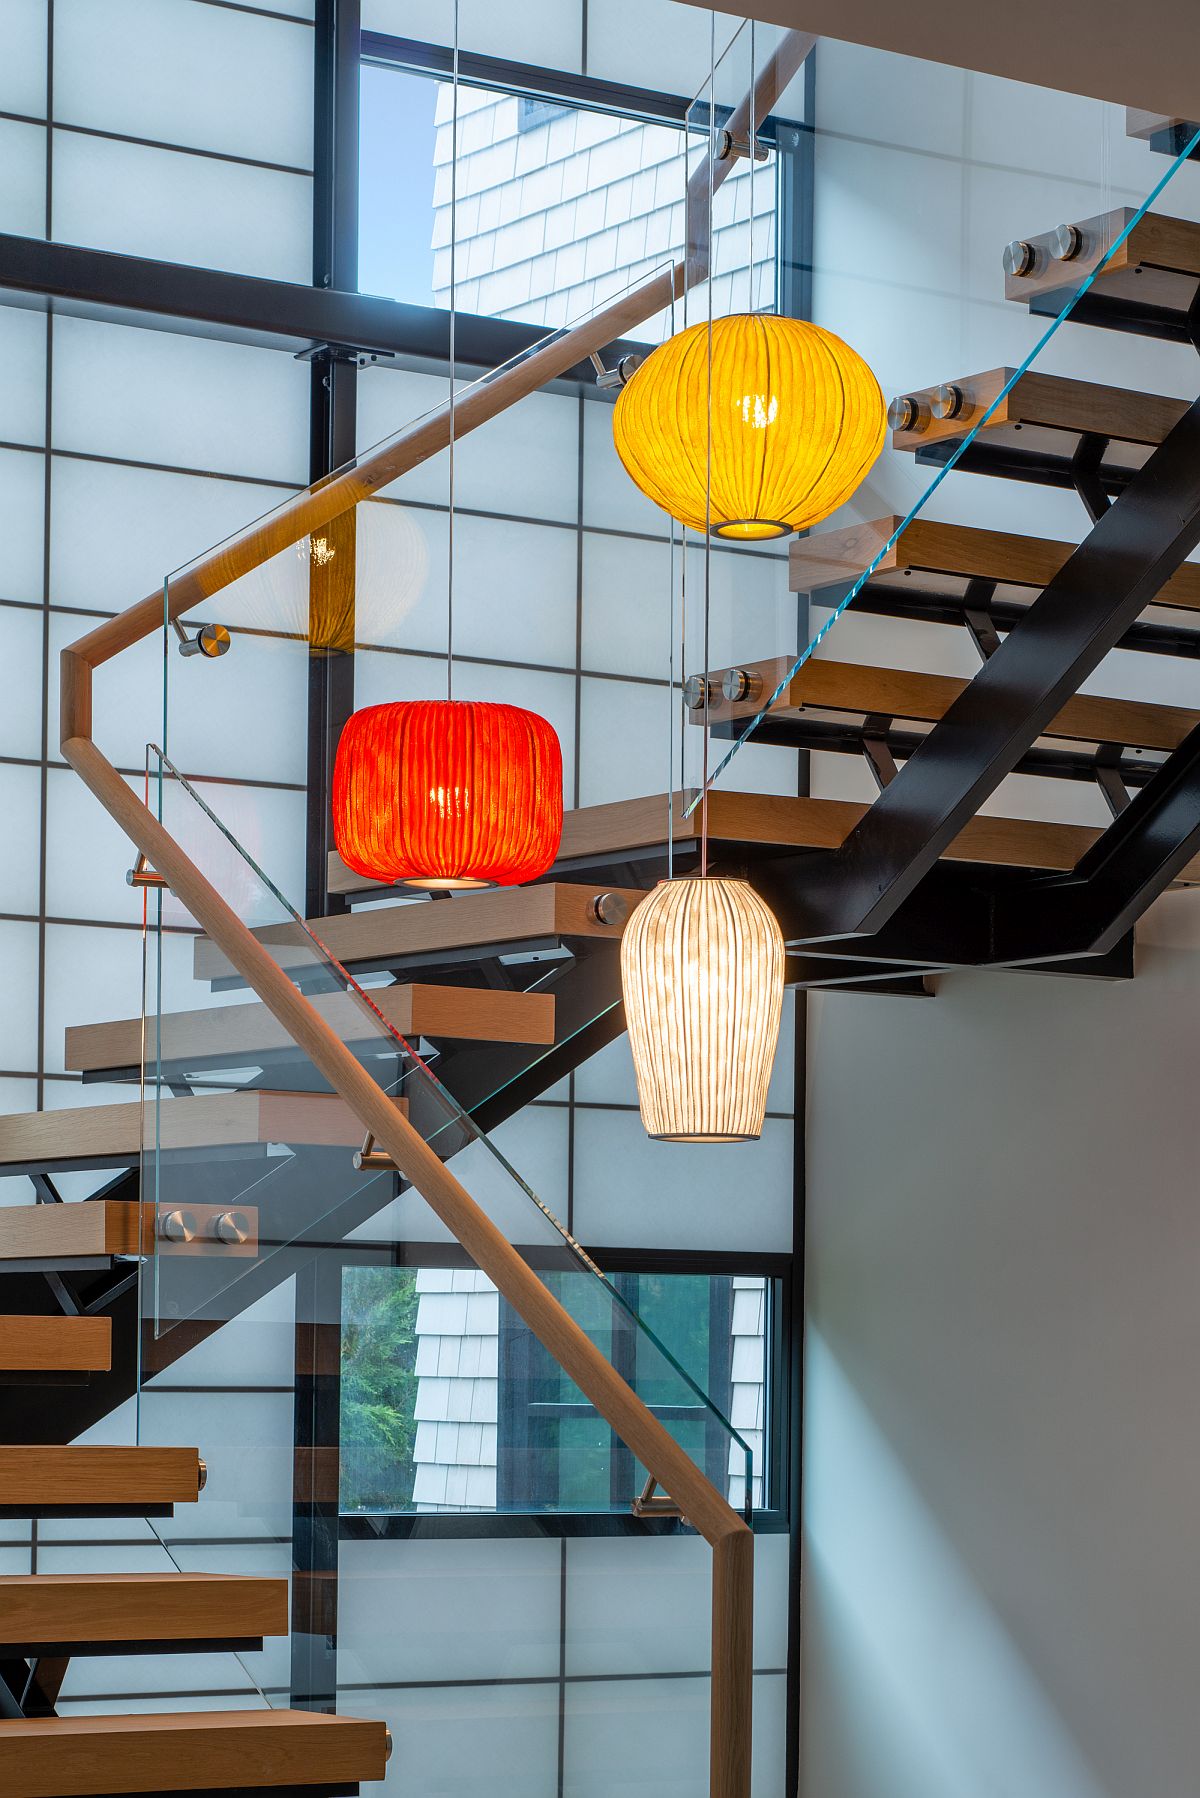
x=448, y=793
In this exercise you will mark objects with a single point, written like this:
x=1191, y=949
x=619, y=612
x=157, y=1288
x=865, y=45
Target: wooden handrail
x=676, y=1473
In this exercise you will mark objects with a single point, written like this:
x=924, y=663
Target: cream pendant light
x=702, y=971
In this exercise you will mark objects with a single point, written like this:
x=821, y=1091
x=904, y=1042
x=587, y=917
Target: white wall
x=1002, y=1473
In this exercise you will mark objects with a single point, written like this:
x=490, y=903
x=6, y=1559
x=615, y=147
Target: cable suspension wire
x=453, y=369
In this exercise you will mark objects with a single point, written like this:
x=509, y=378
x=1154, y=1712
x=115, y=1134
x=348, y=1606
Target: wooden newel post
x=732, y=1701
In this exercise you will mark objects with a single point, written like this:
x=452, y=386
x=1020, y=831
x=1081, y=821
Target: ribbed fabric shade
x=797, y=420
x=448, y=793
x=702, y=973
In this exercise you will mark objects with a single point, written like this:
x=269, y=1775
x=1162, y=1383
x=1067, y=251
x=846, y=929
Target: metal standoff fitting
x=387, y=1745
x=626, y=368
x=232, y=1227
x=211, y=640
x=740, y=146
x=695, y=689
x=202, y=1482
x=178, y=1226
x=741, y=683
x=948, y=401
x=1066, y=243
x=609, y=908
x=905, y=414
x=1018, y=257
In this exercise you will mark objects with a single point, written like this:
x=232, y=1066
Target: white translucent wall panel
x=448, y=1611
x=465, y=1741
x=633, y=1736
x=379, y=678
x=23, y=66
x=22, y=375
x=610, y=498
x=94, y=973
x=615, y=1586
x=514, y=592
x=20, y=808
x=22, y=510
x=22, y=178
x=181, y=72
x=514, y=587
x=21, y=713
x=522, y=462
x=88, y=855
x=668, y=45
x=548, y=33
x=186, y=402
x=248, y=718
x=632, y=606
x=18, y=996
x=634, y=1193
x=116, y=1706
x=625, y=740
x=117, y=532
x=181, y=208
x=625, y=747
x=535, y=1143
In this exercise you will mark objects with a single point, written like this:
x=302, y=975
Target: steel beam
x=1137, y=858
x=1118, y=570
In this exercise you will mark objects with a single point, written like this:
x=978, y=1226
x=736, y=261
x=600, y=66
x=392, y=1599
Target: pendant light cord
x=453, y=371
x=707, y=731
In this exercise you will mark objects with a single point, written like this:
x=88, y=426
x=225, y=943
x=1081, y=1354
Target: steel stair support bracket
x=1120, y=567
x=1140, y=854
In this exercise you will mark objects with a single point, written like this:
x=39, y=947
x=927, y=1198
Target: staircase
x=510, y=990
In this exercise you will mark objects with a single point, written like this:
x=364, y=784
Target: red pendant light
x=445, y=793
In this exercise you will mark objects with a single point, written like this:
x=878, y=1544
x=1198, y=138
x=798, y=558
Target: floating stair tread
x=1048, y=414
x=777, y=822
x=94, y=1136
x=857, y=688
x=37, y=1344
x=64, y=1608
x=226, y=1034
x=1157, y=265
x=947, y=556
x=92, y=1230
x=497, y=918
x=96, y=1474
x=68, y=1757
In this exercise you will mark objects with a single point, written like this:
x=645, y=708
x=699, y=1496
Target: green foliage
x=379, y=1387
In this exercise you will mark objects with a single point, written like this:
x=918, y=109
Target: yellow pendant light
x=702, y=973
x=797, y=419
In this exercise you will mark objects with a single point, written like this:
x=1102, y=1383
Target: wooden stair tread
x=67, y=1757
x=779, y=822
x=946, y=557
x=96, y=1136
x=222, y=1035
x=823, y=685
x=93, y=1230
x=140, y=1607
x=1047, y=414
x=497, y=918
x=96, y=1474
x=1157, y=265
x=36, y=1344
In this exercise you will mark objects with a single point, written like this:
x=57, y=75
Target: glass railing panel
x=256, y=1170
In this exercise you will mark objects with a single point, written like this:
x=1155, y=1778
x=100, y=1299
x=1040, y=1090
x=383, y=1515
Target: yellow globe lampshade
x=702, y=965
x=797, y=419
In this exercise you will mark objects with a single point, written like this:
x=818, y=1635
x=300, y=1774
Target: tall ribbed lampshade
x=448, y=793
x=797, y=419
x=702, y=973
